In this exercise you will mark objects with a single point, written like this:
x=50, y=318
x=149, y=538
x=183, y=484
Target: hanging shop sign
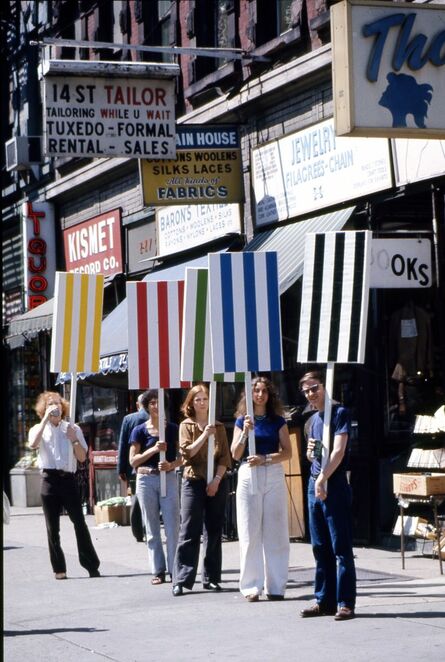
x=39, y=252
x=141, y=245
x=183, y=227
x=115, y=110
x=401, y=263
x=207, y=169
x=415, y=160
x=313, y=169
x=94, y=247
x=388, y=68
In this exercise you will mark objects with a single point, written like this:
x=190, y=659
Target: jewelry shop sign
x=313, y=169
x=388, y=68
x=207, y=169
x=108, y=115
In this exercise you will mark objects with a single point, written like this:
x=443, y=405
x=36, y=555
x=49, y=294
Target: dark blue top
x=140, y=435
x=267, y=438
x=340, y=424
x=129, y=422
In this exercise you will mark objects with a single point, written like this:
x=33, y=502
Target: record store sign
x=110, y=116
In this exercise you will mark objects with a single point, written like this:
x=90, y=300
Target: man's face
x=314, y=392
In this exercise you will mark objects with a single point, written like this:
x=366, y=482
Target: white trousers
x=263, y=530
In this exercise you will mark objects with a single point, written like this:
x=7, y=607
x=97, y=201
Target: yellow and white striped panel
x=77, y=322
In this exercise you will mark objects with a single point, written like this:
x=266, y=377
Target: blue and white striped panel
x=245, y=319
x=335, y=293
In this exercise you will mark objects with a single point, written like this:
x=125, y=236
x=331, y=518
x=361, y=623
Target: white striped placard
x=196, y=354
x=77, y=322
x=245, y=319
x=334, y=299
x=154, y=334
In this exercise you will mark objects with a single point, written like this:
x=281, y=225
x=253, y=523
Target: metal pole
x=211, y=439
x=252, y=444
x=161, y=429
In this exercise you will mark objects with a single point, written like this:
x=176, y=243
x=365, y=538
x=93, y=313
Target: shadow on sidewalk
x=18, y=633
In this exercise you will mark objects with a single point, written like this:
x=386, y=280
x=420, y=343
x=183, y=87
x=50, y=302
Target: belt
x=57, y=472
x=148, y=470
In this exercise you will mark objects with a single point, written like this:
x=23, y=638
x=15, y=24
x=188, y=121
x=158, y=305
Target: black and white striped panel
x=334, y=305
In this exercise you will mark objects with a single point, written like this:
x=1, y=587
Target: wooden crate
x=419, y=484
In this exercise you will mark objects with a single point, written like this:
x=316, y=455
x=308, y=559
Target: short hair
x=274, y=406
x=145, y=397
x=187, y=407
x=317, y=375
x=42, y=403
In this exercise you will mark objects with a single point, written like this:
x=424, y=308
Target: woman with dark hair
x=262, y=517
x=202, y=503
x=145, y=449
x=329, y=505
x=61, y=446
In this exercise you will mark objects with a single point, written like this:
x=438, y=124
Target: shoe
x=344, y=614
x=159, y=579
x=253, y=597
x=60, y=575
x=177, y=590
x=94, y=573
x=274, y=596
x=212, y=586
x=316, y=610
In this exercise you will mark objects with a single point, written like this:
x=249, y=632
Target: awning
x=29, y=324
x=289, y=240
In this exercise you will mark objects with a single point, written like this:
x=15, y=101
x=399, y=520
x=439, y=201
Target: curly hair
x=187, y=407
x=274, y=406
x=42, y=403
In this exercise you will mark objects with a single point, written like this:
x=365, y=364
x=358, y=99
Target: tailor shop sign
x=388, y=68
x=98, y=117
x=313, y=169
x=39, y=250
x=188, y=226
x=207, y=169
x=94, y=247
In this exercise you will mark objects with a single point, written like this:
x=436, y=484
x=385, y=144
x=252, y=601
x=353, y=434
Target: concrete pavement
x=122, y=618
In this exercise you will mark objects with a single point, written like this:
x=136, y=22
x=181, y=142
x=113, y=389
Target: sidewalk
x=122, y=618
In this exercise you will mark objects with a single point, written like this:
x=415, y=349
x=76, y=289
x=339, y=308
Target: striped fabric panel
x=245, y=312
x=77, y=322
x=154, y=334
x=335, y=297
x=196, y=355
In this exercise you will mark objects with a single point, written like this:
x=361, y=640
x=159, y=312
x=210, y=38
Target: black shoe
x=212, y=586
x=94, y=573
x=316, y=610
x=177, y=590
x=274, y=596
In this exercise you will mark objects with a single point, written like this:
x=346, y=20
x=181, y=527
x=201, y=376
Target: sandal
x=159, y=579
x=60, y=575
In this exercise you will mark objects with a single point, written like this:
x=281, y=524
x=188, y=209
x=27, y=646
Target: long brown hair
x=187, y=407
x=274, y=406
x=42, y=403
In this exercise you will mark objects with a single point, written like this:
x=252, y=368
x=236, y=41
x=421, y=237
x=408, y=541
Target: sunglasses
x=310, y=389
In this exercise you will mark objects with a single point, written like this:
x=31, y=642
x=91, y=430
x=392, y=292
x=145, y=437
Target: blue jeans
x=148, y=491
x=330, y=524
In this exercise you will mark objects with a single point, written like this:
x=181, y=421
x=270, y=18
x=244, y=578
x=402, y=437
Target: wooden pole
x=211, y=439
x=252, y=444
x=161, y=428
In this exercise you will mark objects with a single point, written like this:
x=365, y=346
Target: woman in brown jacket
x=202, y=503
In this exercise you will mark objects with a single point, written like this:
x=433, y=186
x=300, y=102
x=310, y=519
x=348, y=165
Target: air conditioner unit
x=23, y=152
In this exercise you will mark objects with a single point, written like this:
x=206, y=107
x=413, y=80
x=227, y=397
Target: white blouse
x=56, y=450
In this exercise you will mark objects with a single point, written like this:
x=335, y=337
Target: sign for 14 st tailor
x=98, y=117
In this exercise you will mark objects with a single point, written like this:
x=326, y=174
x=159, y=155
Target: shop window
x=100, y=410
x=215, y=27
x=273, y=20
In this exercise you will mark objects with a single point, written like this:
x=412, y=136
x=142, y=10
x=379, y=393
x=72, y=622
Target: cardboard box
x=419, y=484
x=118, y=514
x=410, y=525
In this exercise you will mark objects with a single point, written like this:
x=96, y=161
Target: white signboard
x=97, y=117
x=415, y=160
x=188, y=226
x=313, y=169
x=397, y=263
x=388, y=68
x=39, y=252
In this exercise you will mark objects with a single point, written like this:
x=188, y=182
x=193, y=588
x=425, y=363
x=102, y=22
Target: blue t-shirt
x=267, y=438
x=340, y=424
x=140, y=435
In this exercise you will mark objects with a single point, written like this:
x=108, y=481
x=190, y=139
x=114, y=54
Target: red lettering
x=35, y=300
x=38, y=283
x=36, y=269
x=34, y=216
x=37, y=246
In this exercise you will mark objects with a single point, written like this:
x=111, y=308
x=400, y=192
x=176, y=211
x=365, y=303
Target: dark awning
x=289, y=240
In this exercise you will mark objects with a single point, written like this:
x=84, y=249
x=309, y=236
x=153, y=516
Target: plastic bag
x=6, y=509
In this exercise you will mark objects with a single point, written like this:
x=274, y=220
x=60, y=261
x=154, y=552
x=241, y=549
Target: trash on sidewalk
x=115, y=510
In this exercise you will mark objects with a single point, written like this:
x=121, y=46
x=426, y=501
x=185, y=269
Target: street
x=122, y=617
